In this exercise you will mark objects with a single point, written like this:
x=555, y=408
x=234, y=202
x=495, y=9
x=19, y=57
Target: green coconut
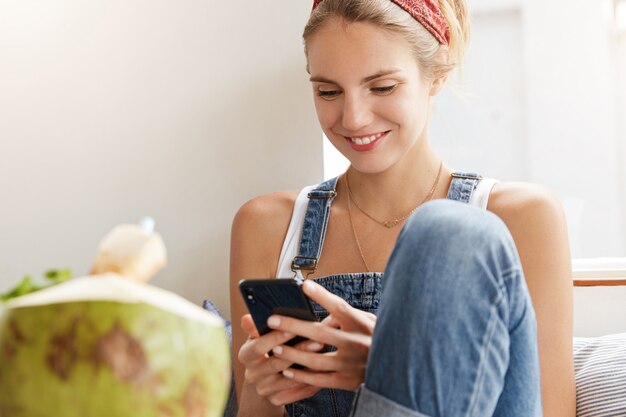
x=107, y=346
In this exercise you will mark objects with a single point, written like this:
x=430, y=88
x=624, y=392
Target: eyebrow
x=367, y=79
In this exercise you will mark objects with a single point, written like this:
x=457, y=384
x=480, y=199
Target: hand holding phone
x=265, y=297
x=350, y=339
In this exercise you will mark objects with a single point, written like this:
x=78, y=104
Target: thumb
x=247, y=324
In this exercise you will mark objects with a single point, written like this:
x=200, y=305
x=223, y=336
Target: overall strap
x=314, y=228
x=462, y=186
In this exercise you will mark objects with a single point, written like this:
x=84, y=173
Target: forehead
x=339, y=49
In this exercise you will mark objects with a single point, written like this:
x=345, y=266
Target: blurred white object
x=620, y=15
x=147, y=225
x=131, y=250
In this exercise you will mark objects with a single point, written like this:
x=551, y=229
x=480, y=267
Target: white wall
x=479, y=125
x=542, y=100
x=620, y=98
x=572, y=113
x=111, y=110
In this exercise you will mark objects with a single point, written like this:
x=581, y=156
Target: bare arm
x=537, y=223
x=256, y=239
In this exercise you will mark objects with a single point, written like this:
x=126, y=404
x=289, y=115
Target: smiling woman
x=461, y=318
x=390, y=105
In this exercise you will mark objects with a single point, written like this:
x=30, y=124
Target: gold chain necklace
x=356, y=239
x=392, y=223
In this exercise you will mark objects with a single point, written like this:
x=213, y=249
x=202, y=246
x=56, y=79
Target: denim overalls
x=360, y=290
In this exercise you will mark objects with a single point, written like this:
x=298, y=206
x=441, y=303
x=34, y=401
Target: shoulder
x=535, y=218
x=272, y=207
x=519, y=202
x=258, y=230
x=265, y=214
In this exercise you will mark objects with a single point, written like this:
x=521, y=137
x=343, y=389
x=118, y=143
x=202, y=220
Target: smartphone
x=265, y=297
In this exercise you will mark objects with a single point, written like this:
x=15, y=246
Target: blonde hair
x=435, y=60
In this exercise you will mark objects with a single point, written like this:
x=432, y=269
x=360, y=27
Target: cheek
x=326, y=113
x=401, y=112
x=411, y=109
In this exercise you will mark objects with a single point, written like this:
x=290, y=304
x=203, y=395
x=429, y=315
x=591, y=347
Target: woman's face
x=371, y=99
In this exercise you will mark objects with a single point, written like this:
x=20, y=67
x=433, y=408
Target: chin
x=370, y=167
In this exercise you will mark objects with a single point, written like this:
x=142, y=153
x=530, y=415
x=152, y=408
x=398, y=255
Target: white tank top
x=480, y=198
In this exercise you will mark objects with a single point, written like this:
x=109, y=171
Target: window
x=543, y=100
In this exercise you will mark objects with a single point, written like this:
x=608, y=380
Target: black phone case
x=265, y=297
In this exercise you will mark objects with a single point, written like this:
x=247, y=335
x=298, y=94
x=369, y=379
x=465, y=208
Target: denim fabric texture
x=315, y=223
x=457, y=334
x=361, y=291
x=456, y=331
x=462, y=187
x=370, y=404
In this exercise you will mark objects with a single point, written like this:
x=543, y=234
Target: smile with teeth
x=366, y=140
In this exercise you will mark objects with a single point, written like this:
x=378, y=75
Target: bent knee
x=454, y=226
x=452, y=251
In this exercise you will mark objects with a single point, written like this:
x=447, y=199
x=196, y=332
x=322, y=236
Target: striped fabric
x=600, y=367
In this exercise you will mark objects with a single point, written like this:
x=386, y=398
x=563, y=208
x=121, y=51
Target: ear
x=437, y=84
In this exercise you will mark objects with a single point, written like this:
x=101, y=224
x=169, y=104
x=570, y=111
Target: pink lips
x=368, y=146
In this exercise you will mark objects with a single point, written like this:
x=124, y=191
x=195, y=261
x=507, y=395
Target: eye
x=385, y=90
x=328, y=94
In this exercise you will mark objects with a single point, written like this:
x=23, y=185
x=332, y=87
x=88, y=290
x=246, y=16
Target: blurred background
x=112, y=110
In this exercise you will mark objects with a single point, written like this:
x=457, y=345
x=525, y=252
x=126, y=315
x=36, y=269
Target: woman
x=454, y=330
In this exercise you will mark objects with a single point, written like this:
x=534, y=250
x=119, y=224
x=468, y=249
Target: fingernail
x=288, y=374
x=314, y=346
x=310, y=287
x=273, y=321
x=277, y=350
x=289, y=335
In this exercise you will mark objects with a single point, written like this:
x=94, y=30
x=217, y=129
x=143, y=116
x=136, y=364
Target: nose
x=357, y=113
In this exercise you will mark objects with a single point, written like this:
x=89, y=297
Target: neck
x=400, y=188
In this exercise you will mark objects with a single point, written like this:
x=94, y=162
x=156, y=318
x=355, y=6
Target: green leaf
x=27, y=286
x=56, y=276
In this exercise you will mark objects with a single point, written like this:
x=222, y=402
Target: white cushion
x=600, y=368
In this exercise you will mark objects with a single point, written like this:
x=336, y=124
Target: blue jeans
x=456, y=331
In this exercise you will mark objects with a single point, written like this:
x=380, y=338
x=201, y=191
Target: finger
x=276, y=365
x=330, y=361
x=293, y=395
x=259, y=370
x=330, y=321
x=370, y=316
x=309, y=346
x=247, y=324
x=312, y=346
x=254, y=349
x=337, y=306
x=316, y=331
x=339, y=380
x=276, y=383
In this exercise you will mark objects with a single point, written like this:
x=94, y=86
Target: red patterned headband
x=427, y=12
